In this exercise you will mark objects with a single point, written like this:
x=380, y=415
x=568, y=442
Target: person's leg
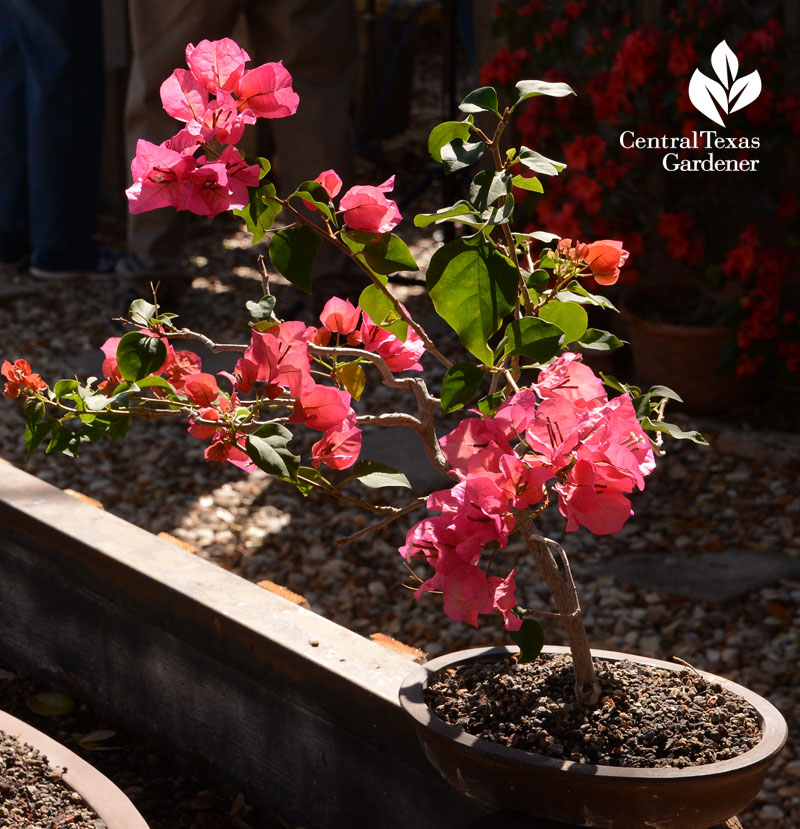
x=63, y=53
x=14, y=241
x=160, y=31
x=317, y=43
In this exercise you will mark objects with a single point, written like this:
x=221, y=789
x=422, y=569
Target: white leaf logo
x=728, y=94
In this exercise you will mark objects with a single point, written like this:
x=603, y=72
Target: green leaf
x=569, y=317
x=141, y=312
x=260, y=212
x=540, y=164
x=454, y=213
x=665, y=391
x=491, y=403
x=457, y=154
x=529, y=638
x=538, y=235
x=539, y=280
x=487, y=187
x=293, y=252
x=598, y=340
x=261, y=310
x=530, y=183
x=266, y=447
x=36, y=428
x=672, y=430
x=385, y=253
x=534, y=338
x=312, y=192
x=307, y=477
x=460, y=385
x=64, y=387
x=499, y=214
x=96, y=403
x=376, y=475
x=443, y=134
x=612, y=383
x=473, y=287
x=379, y=308
x=577, y=293
x=139, y=355
x=483, y=99
x=529, y=89
x=264, y=167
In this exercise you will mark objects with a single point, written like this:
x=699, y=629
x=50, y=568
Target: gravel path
x=741, y=494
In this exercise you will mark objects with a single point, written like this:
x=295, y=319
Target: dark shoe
x=104, y=267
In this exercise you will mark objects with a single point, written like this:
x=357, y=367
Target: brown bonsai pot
x=583, y=794
x=108, y=801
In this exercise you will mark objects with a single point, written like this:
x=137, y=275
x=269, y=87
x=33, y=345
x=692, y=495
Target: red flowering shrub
x=706, y=227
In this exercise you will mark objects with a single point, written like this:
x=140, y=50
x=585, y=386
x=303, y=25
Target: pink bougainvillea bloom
x=280, y=355
x=217, y=64
x=319, y=336
x=222, y=121
x=570, y=378
x=476, y=443
x=20, y=379
x=204, y=431
x=183, y=96
x=160, y=178
x=398, y=355
x=201, y=389
x=340, y=446
x=605, y=258
x=180, y=365
x=267, y=91
x=587, y=500
x=224, y=449
x=339, y=316
x=466, y=593
x=245, y=373
x=330, y=180
x=505, y=599
x=367, y=208
x=321, y=408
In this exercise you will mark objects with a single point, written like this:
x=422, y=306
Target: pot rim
x=775, y=731
x=107, y=800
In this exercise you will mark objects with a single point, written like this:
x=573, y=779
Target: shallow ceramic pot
x=583, y=794
x=108, y=801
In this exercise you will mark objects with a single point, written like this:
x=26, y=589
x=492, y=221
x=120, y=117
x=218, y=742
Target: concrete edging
x=300, y=712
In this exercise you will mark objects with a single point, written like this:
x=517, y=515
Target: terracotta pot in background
x=605, y=797
x=686, y=359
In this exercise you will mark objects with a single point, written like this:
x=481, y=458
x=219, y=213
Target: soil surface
x=647, y=717
x=170, y=792
x=32, y=792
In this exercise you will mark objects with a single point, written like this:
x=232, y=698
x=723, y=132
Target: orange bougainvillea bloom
x=605, y=258
x=19, y=379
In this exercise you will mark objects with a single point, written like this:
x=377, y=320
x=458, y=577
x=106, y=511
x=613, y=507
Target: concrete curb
x=300, y=712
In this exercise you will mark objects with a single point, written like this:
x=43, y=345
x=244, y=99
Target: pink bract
x=217, y=64
x=339, y=316
x=366, y=208
x=340, y=446
x=267, y=91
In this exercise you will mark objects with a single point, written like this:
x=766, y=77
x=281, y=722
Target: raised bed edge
x=299, y=711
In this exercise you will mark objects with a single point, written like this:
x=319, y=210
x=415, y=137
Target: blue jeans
x=51, y=122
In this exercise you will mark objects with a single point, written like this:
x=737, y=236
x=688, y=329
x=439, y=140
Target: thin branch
x=379, y=525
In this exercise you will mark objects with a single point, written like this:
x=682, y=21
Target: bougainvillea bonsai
x=539, y=425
